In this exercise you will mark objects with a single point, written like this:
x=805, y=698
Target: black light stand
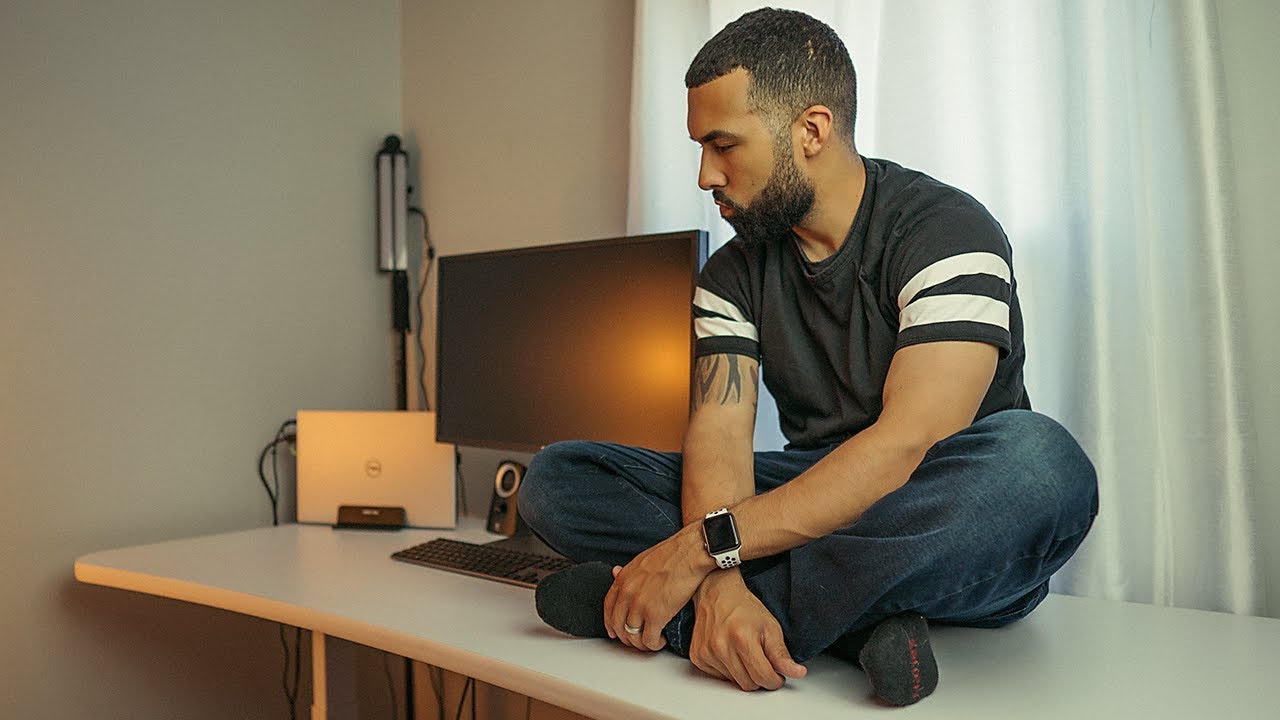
x=393, y=256
x=393, y=249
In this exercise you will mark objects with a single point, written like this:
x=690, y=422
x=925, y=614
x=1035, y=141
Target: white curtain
x=1093, y=130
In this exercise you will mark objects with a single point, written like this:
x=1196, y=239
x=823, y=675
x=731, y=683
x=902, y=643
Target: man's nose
x=710, y=177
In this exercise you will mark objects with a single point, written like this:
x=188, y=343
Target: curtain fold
x=1094, y=131
x=663, y=161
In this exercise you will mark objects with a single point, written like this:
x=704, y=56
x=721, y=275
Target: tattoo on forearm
x=706, y=373
x=733, y=383
x=755, y=383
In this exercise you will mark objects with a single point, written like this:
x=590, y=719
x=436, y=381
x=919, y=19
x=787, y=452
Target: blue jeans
x=971, y=539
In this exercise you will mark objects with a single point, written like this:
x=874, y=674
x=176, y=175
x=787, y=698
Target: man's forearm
x=718, y=460
x=718, y=470
x=830, y=495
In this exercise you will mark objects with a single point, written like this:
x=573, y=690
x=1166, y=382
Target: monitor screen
x=580, y=341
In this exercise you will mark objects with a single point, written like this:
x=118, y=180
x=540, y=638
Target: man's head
x=761, y=92
x=794, y=62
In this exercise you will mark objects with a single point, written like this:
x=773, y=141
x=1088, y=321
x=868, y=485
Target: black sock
x=572, y=600
x=898, y=660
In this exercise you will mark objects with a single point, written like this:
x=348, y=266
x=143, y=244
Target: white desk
x=1072, y=658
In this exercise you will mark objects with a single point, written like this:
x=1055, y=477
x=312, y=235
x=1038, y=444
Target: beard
x=784, y=202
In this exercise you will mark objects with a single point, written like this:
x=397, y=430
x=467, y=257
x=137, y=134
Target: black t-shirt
x=923, y=262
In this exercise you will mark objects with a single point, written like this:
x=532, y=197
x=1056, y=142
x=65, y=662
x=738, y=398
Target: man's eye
x=723, y=148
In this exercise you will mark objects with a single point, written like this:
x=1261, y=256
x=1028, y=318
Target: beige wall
x=186, y=258
x=1249, y=29
x=516, y=115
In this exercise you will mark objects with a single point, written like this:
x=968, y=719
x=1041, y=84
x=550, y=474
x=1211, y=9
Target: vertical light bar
x=399, y=211
x=386, y=244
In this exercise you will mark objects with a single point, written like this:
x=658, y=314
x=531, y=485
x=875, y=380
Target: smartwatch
x=720, y=538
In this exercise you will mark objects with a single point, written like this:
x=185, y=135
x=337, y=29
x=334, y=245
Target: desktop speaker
x=503, y=517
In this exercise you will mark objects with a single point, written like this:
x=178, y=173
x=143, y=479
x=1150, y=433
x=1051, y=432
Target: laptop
x=375, y=459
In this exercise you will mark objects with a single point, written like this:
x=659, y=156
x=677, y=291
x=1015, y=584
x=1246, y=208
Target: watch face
x=721, y=533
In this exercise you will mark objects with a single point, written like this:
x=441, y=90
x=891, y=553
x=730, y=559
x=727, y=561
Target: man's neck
x=835, y=207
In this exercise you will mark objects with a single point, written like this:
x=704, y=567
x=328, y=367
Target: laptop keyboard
x=515, y=567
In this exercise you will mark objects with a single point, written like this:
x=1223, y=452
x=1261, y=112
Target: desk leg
x=333, y=694
x=319, y=678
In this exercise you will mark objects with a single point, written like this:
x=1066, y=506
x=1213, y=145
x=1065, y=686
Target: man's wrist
x=720, y=581
x=695, y=549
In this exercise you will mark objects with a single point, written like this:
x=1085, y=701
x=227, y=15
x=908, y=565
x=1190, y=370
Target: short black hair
x=795, y=62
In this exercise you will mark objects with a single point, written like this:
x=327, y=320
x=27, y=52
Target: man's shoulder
x=896, y=182
x=912, y=207
x=910, y=192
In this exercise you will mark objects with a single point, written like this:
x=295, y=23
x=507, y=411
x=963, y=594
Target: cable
x=275, y=482
x=436, y=675
x=271, y=496
x=391, y=686
x=462, y=699
x=410, y=696
x=423, y=281
x=275, y=477
x=292, y=656
x=460, y=488
x=291, y=693
x=297, y=665
x=437, y=685
x=274, y=495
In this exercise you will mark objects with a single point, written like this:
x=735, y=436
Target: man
x=881, y=307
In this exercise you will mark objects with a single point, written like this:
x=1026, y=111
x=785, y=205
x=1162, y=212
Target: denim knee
x=1054, y=466
x=543, y=483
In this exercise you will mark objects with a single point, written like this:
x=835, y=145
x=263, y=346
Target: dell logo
x=373, y=467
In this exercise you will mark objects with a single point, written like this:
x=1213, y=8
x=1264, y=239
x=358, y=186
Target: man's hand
x=735, y=638
x=652, y=588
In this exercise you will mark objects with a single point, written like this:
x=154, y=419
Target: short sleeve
x=723, y=321
x=952, y=278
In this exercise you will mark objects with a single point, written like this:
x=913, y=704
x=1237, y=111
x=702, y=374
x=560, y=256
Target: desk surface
x=1072, y=658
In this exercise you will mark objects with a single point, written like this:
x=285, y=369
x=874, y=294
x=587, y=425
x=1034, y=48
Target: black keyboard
x=485, y=561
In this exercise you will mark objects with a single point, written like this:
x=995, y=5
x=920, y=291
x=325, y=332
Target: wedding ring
x=632, y=630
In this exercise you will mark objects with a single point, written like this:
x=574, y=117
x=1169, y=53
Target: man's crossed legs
x=971, y=539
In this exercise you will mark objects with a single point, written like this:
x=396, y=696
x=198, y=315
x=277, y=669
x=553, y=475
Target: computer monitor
x=578, y=341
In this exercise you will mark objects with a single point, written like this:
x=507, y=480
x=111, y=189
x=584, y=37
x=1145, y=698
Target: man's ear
x=814, y=125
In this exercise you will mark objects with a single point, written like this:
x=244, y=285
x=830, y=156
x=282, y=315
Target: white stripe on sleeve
x=706, y=327
x=711, y=302
x=955, y=308
x=974, y=263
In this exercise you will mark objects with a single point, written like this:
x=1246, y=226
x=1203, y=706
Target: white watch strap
x=728, y=559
